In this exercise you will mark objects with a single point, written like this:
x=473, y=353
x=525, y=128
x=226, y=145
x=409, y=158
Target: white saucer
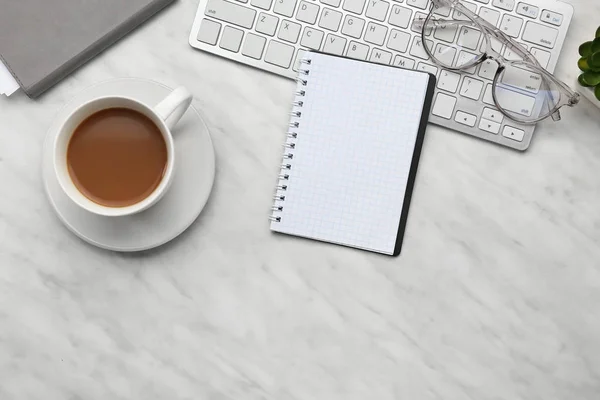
x=175, y=212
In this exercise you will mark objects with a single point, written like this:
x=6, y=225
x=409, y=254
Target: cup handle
x=172, y=108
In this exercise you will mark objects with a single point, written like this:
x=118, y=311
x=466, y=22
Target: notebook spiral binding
x=290, y=144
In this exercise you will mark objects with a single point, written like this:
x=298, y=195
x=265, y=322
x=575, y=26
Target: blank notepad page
x=352, y=152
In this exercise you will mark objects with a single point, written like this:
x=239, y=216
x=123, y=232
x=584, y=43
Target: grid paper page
x=353, y=153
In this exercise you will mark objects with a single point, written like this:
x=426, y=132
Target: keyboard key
x=375, y=33
x=515, y=102
x=489, y=126
x=330, y=19
x=357, y=50
x=465, y=58
x=441, y=10
x=444, y=54
x=264, y=4
x=496, y=45
x=507, y=5
x=469, y=38
x=416, y=28
x=354, y=6
x=403, y=62
x=444, y=105
x=380, y=56
x=279, y=54
x=527, y=10
x=488, y=69
x=465, y=118
x=417, y=49
x=353, y=26
x=231, y=39
x=377, y=9
x=522, y=79
x=334, y=44
x=511, y=25
x=487, y=96
x=230, y=12
x=513, y=133
x=284, y=7
x=312, y=38
x=540, y=34
x=483, y=1
x=333, y=3
x=491, y=16
x=267, y=24
x=447, y=34
x=307, y=12
x=427, y=68
x=510, y=55
x=254, y=46
x=209, y=31
x=492, y=115
x=422, y=4
x=471, y=88
x=400, y=16
x=448, y=81
x=470, y=6
x=289, y=31
x=551, y=17
x=542, y=56
x=398, y=41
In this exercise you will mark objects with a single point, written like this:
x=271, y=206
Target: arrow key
x=465, y=119
x=492, y=114
x=489, y=126
x=513, y=133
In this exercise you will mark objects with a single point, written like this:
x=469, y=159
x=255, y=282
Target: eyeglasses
x=522, y=90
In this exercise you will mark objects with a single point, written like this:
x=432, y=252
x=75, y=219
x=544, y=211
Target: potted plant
x=589, y=64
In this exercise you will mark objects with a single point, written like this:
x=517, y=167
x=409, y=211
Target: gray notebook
x=42, y=41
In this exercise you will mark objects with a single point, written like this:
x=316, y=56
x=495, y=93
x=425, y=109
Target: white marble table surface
x=496, y=295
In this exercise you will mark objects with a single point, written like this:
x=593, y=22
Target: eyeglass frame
x=490, y=31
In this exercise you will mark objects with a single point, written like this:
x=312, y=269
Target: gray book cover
x=43, y=41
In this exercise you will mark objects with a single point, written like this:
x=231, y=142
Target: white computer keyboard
x=273, y=34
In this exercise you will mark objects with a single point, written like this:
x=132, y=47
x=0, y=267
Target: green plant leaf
x=581, y=81
x=596, y=45
x=594, y=60
x=595, y=69
x=591, y=78
x=585, y=49
x=598, y=32
x=583, y=64
x=597, y=92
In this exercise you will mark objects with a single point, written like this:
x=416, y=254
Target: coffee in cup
x=115, y=156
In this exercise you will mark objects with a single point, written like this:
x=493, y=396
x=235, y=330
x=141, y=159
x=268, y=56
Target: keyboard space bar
x=230, y=12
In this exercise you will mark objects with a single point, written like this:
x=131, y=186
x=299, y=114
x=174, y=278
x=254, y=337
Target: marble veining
x=496, y=295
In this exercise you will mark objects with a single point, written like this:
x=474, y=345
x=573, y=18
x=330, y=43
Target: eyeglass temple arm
x=434, y=23
x=496, y=33
x=492, y=30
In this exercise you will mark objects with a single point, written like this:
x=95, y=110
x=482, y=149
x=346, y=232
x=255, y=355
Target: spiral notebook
x=352, y=152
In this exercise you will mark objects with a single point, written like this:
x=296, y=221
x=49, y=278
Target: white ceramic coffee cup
x=165, y=116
